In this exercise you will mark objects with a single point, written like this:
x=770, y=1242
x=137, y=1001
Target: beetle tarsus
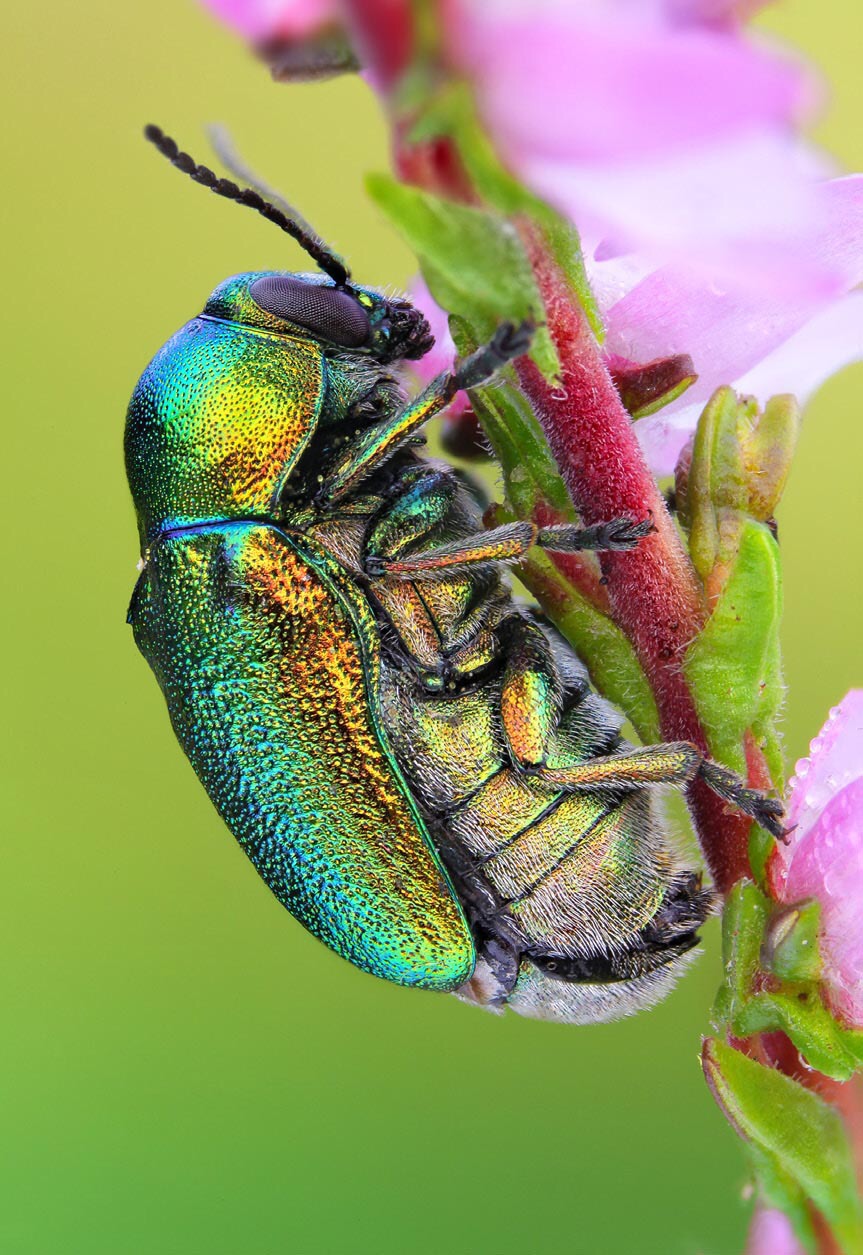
x=508, y=342
x=768, y=812
x=615, y=536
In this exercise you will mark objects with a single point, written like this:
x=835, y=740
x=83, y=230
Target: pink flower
x=443, y=354
x=260, y=21
x=670, y=141
x=824, y=858
x=784, y=325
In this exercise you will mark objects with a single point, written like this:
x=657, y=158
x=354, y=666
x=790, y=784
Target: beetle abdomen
x=577, y=872
x=269, y=663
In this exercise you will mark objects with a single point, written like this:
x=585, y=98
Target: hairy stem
x=653, y=591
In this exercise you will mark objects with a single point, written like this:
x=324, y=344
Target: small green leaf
x=733, y=666
x=744, y=918
x=801, y=1137
x=753, y=934
x=802, y=1016
x=769, y=451
x=791, y=950
x=716, y=480
x=473, y=261
x=740, y=462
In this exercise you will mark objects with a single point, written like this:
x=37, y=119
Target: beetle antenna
x=282, y=214
x=223, y=147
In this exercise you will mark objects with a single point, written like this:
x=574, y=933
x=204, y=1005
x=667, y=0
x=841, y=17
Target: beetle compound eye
x=330, y=313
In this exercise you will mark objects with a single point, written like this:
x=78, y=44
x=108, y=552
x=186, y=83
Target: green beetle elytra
x=414, y=762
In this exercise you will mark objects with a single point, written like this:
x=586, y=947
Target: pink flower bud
x=824, y=857
x=771, y=1233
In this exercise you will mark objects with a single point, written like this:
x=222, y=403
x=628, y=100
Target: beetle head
x=327, y=306
x=343, y=317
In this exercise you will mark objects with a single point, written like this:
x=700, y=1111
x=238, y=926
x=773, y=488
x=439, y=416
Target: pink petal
x=608, y=81
x=732, y=315
x=830, y=341
x=715, y=12
x=442, y=354
x=824, y=858
x=835, y=760
x=827, y=864
x=771, y=1233
x=682, y=202
x=715, y=231
x=258, y=20
x=729, y=312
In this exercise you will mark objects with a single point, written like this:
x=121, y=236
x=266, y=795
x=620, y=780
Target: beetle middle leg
x=509, y=543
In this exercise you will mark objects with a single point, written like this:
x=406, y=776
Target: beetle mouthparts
x=410, y=334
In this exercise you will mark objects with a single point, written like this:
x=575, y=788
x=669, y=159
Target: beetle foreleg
x=424, y=505
x=616, y=535
x=507, y=343
x=379, y=443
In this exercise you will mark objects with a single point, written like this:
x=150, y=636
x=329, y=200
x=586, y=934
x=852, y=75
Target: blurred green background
x=183, y=1068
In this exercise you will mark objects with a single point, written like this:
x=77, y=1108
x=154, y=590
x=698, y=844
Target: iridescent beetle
x=413, y=761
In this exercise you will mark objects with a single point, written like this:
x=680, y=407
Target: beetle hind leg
x=768, y=812
x=674, y=762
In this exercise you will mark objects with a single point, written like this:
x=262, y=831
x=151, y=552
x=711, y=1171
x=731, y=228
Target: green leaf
x=733, y=666
x=473, y=261
x=453, y=112
x=799, y=1136
x=744, y=918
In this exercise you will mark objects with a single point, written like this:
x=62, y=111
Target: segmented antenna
x=296, y=228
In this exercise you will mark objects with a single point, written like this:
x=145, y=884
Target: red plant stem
x=653, y=590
